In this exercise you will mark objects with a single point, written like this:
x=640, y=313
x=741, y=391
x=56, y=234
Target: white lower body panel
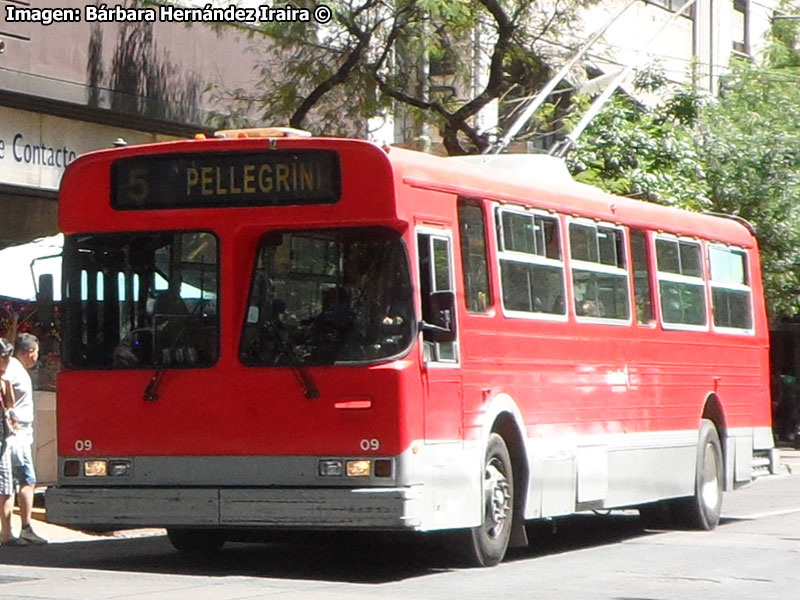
x=268, y=508
x=436, y=486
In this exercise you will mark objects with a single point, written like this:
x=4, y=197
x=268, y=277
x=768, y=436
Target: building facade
x=71, y=82
x=696, y=43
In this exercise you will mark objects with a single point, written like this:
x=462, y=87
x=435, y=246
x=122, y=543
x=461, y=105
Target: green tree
x=738, y=154
x=650, y=154
x=415, y=59
x=750, y=145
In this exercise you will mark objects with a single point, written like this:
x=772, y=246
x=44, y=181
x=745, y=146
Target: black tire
x=197, y=542
x=703, y=510
x=657, y=515
x=487, y=543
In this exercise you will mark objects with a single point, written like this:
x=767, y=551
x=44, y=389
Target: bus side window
x=599, y=274
x=474, y=261
x=531, y=265
x=731, y=294
x=641, y=277
x=680, y=281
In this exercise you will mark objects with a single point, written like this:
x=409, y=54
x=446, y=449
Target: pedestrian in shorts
x=6, y=432
x=26, y=353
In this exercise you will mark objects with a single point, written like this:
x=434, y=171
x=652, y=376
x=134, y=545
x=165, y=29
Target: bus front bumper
x=268, y=508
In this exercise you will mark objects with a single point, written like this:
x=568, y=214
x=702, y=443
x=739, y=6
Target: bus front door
x=441, y=373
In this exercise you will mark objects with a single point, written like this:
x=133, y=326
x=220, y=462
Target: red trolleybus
x=295, y=333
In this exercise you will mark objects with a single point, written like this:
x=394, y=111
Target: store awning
x=21, y=266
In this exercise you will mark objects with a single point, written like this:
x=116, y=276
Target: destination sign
x=218, y=179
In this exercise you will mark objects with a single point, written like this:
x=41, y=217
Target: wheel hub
x=498, y=499
x=709, y=491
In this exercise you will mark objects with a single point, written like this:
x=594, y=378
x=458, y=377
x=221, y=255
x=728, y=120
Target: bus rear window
x=329, y=296
x=141, y=300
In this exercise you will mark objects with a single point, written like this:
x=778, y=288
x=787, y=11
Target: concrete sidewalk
x=789, y=460
x=59, y=534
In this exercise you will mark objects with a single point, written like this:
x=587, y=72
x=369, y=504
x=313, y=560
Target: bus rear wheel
x=703, y=510
x=487, y=543
x=198, y=542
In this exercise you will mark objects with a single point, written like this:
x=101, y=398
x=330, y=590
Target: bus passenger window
x=680, y=282
x=599, y=276
x=531, y=267
x=731, y=296
x=641, y=277
x=477, y=292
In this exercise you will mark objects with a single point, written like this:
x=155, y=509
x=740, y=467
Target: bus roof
x=543, y=182
x=531, y=180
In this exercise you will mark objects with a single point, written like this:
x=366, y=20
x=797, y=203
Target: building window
x=674, y=5
x=739, y=23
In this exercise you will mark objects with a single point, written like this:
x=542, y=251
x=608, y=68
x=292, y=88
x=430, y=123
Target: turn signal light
x=72, y=468
x=383, y=467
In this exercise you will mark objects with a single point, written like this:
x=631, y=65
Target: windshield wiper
x=151, y=391
x=310, y=390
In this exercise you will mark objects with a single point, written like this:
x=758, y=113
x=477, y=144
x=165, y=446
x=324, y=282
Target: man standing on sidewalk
x=26, y=353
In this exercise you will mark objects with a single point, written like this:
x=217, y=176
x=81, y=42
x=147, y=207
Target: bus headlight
x=95, y=468
x=359, y=468
x=331, y=468
x=119, y=468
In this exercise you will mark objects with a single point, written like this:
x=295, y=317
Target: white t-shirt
x=19, y=378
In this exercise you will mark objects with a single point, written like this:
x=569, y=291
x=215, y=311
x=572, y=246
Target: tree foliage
x=413, y=58
x=750, y=143
x=738, y=153
x=646, y=154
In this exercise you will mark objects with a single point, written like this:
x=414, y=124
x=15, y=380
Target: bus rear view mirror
x=44, y=298
x=443, y=310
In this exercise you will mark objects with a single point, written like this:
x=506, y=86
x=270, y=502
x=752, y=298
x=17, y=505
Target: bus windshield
x=320, y=297
x=141, y=300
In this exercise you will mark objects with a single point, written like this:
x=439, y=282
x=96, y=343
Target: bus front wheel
x=198, y=542
x=489, y=541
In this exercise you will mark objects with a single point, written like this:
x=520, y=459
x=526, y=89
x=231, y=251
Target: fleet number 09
x=83, y=445
x=373, y=444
